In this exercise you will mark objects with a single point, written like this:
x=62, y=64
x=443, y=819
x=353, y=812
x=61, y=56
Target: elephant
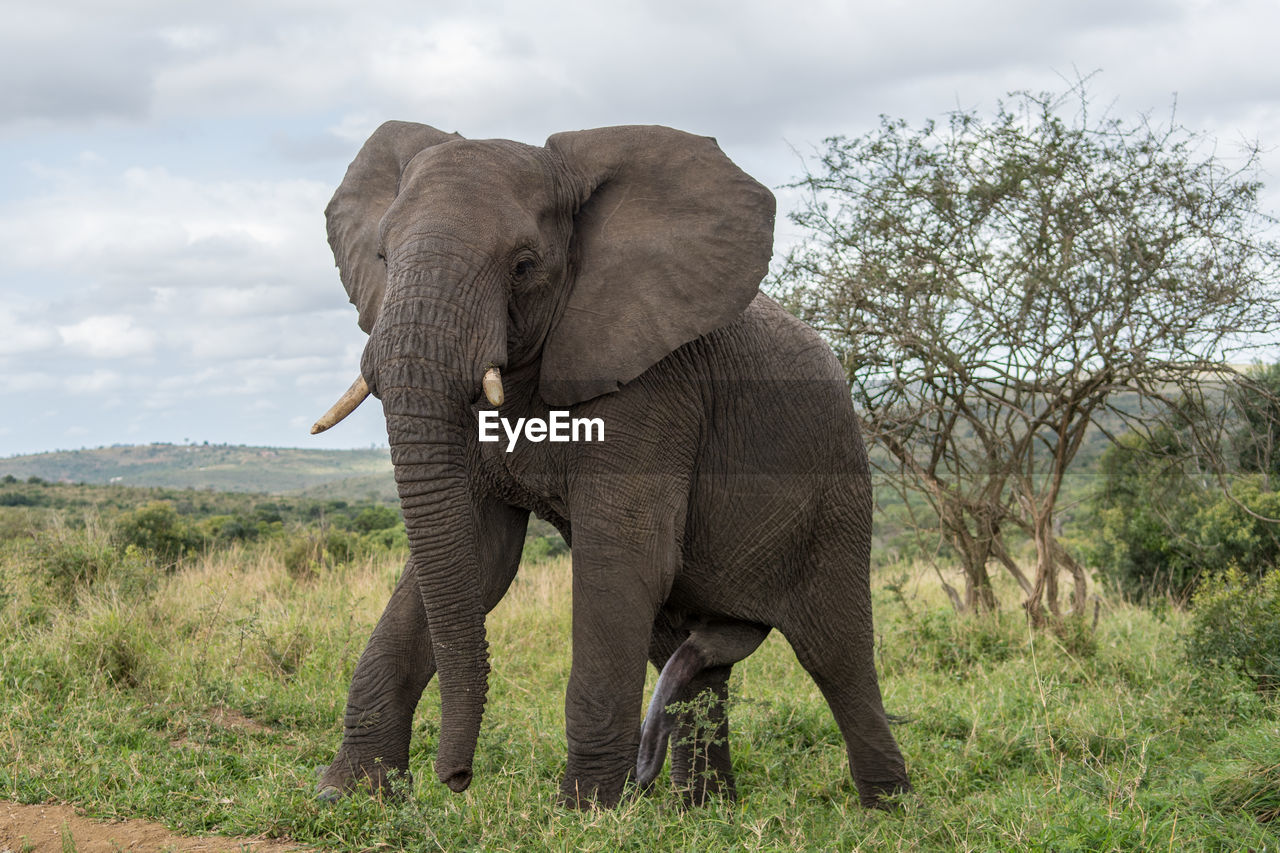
x=613, y=274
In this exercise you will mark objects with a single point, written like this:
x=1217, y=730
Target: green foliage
x=376, y=518
x=225, y=529
x=64, y=560
x=158, y=529
x=539, y=549
x=1160, y=525
x=1236, y=625
x=1236, y=530
x=389, y=539
x=309, y=552
x=20, y=499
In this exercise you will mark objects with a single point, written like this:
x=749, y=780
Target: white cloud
x=24, y=334
x=109, y=336
x=149, y=226
x=93, y=383
x=15, y=379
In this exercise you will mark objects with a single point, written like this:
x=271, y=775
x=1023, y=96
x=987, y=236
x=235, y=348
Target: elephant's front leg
x=616, y=593
x=397, y=664
x=389, y=679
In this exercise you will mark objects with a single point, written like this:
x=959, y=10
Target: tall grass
x=206, y=697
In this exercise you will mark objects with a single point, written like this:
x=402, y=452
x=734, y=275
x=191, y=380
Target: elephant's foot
x=583, y=791
x=699, y=774
x=874, y=795
x=349, y=773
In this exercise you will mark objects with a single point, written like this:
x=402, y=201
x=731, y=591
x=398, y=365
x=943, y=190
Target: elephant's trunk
x=427, y=382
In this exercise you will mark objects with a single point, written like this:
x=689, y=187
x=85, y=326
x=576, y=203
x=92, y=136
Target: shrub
x=225, y=529
x=158, y=529
x=312, y=550
x=62, y=560
x=1139, y=536
x=376, y=518
x=1158, y=529
x=1235, y=625
x=538, y=549
x=390, y=539
x=1229, y=535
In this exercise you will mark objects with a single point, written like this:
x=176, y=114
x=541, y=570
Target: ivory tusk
x=492, y=385
x=346, y=404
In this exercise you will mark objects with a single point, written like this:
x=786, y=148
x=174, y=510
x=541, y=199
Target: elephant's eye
x=522, y=269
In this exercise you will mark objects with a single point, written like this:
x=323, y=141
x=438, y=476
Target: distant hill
x=358, y=474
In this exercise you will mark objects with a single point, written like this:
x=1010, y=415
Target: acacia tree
x=993, y=285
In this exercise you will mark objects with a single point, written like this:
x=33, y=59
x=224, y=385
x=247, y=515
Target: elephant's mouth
x=359, y=391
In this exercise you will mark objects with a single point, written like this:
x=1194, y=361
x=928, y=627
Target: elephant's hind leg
x=851, y=689
x=696, y=676
x=834, y=643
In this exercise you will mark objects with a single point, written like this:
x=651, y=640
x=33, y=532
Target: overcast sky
x=164, y=166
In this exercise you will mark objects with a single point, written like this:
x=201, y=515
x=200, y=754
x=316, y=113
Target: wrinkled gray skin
x=613, y=272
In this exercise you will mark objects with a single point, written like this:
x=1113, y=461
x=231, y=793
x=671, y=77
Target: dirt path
x=49, y=827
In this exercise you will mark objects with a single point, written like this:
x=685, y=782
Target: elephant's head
x=578, y=265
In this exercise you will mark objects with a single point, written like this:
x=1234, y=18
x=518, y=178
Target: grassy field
x=205, y=697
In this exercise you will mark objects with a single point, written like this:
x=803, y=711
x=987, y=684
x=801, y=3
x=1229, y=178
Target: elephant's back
x=786, y=388
x=768, y=343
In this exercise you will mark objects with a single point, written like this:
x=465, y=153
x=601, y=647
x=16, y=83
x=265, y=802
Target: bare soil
x=58, y=828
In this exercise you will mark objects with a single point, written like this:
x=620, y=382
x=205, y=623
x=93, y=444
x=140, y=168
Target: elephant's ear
x=670, y=243
x=353, y=214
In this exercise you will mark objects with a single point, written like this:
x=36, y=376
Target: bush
x=1230, y=536
x=1158, y=529
x=63, y=560
x=389, y=540
x=1139, y=538
x=158, y=529
x=376, y=518
x=225, y=529
x=311, y=551
x=538, y=549
x=1235, y=625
